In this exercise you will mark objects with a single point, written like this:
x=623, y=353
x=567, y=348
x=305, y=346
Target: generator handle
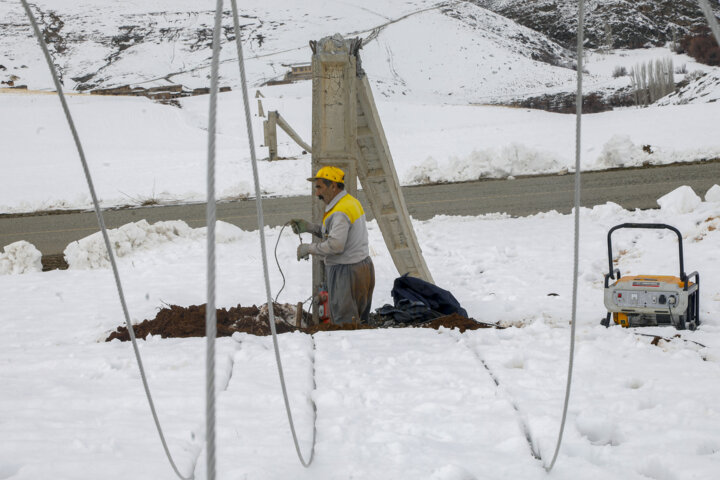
x=697, y=294
x=608, y=276
x=658, y=226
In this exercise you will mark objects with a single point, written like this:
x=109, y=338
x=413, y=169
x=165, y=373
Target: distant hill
x=608, y=23
x=459, y=52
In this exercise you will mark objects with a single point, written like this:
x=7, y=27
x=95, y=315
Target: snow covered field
x=391, y=404
x=160, y=154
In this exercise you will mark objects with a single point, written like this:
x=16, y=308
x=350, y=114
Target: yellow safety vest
x=348, y=205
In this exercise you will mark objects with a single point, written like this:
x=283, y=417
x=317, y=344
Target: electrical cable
x=278, y=261
x=576, y=251
x=261, y=229
x=103, y=229
x=711, y=19
x=277, y=242
x=210, y=312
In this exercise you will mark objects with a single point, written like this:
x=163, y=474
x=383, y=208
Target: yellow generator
x=651, y=300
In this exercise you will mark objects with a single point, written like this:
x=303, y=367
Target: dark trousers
x=350, y=288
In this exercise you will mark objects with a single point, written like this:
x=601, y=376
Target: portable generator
x=651, y=300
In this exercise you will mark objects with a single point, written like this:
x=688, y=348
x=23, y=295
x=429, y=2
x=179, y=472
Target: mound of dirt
x=181, y=322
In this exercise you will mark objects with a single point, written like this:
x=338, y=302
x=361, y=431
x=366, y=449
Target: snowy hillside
x=475, y=55
x=98, y=44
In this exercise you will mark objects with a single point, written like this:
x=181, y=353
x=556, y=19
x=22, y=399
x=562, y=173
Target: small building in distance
x=298, y=71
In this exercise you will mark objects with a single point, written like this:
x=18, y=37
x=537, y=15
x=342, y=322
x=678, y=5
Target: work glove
x=303, y=251
x=299, y=225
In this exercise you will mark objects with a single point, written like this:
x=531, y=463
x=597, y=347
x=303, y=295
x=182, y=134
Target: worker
x=343, y=247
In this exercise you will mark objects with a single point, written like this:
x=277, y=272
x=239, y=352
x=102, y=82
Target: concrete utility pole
x=333, y=125
x=347, y=133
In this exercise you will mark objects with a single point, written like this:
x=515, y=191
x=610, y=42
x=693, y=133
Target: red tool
x=323, y=300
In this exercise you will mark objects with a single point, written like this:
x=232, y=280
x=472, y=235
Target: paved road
x=631, y=188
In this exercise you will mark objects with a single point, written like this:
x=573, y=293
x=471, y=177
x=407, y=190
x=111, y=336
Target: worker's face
x=325, y=192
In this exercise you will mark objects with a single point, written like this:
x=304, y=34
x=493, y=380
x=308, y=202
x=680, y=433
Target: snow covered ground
x=142, y=151
x=412, y=404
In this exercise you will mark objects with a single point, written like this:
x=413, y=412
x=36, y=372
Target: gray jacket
x=343, y=232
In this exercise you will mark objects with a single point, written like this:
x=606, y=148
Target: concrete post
x=334, y=123
x=270, y=131
x=347, y=133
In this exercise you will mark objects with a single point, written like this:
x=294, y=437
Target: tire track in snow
x=253, y=436
x=227, y=373
x=521, y=420
x=408, y=403
x=391, y=62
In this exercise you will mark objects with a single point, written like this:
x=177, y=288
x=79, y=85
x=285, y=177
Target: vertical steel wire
x=103, y=229
x=576, y=245
x=712, y=20
x=261, y=228
x=210, y=312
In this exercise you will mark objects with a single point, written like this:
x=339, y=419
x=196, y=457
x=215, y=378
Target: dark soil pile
x=181, y=322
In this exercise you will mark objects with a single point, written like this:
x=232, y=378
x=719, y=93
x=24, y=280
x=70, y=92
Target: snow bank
x=681, y=200
x=620, y=151
x=20, y=257
x=713, y=194
x=90, y=252
x=510, y=160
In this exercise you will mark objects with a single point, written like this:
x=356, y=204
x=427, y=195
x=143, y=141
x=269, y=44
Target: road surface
x=631, y=188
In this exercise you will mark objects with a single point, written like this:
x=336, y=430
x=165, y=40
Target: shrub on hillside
x=619, y=71
x=702, y=46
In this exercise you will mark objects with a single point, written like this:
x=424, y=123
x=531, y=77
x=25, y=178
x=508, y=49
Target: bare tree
x=652, y=80
x=608, y=37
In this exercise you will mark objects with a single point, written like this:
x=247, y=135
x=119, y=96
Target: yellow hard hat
x=333, y=174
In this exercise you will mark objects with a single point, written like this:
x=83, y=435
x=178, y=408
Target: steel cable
x=210, y=312
x=576, y=245
x=103, y=229
x=261, y=228
x=712, y=20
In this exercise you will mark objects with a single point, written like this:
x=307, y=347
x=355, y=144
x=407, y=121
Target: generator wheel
x=605, y=322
